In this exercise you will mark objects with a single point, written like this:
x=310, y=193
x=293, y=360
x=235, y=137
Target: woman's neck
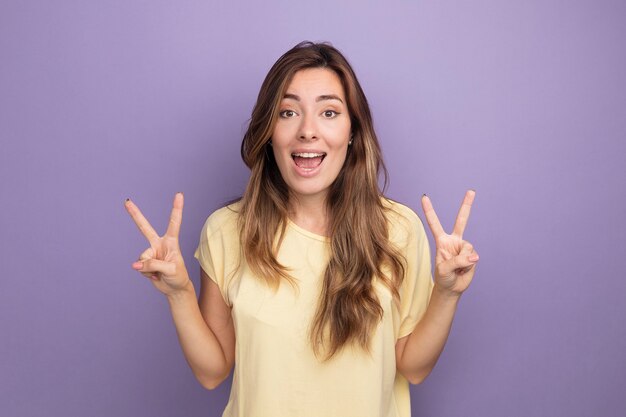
x=310, y=214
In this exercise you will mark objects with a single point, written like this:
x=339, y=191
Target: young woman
x=315, y=287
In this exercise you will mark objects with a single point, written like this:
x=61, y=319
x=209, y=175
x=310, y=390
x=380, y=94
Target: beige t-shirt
x=276, y=373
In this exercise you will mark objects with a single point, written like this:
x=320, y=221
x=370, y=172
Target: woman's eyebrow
x=319, y=98
x=291, y=96
x=329, y=97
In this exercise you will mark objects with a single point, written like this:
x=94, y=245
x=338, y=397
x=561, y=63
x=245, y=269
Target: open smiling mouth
x=308, y=160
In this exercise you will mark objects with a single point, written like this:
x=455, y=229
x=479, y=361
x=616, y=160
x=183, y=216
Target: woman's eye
x=329, y=114
x=287, y=114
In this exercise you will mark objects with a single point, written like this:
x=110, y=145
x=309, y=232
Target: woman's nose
x=308, y=128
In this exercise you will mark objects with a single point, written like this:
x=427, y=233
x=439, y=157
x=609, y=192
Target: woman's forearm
x=425, y=344
x=201, y=347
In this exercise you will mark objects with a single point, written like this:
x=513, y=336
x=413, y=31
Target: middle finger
x=464, y=212
x=142, y=223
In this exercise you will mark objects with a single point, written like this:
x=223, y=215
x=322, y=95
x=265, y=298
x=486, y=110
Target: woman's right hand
x=162, y=262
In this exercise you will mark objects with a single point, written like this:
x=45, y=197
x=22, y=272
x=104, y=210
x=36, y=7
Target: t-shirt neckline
x=307, y=233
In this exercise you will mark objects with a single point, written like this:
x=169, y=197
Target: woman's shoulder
x=402, y=219
x=224, y=219
x=395, y=210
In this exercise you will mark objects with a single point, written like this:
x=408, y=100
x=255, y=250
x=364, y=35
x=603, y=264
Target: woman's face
x=310, y=139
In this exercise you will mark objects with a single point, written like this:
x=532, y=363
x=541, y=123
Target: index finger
x=144, y=226
x=431, y=217
x=464, y=212
x=176, y=217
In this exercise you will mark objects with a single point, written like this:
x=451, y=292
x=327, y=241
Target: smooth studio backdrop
x=523, y=101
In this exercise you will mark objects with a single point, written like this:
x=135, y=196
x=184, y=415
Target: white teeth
x=308, y=155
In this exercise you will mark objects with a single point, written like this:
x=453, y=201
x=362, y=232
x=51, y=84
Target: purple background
x=524, y=101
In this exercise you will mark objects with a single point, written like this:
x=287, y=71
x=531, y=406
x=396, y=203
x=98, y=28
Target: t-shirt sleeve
x=418, y=284
x=213, y=251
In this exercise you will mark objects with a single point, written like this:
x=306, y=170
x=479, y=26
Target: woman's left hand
x=455, y=259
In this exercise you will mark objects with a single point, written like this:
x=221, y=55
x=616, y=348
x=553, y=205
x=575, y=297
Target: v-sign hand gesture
x=455, y=259
x=162, y=261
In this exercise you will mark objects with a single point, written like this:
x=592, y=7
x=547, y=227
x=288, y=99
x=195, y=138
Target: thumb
x=461, y=261
x=153, y=266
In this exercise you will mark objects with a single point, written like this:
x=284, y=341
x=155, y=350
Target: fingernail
x=424, y=195
x=180, y=192
x=137, y=265
x=154, y=278
x=127, y=200
x=473, y=257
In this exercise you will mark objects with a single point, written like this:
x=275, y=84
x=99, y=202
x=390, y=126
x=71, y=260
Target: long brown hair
x=360, y=250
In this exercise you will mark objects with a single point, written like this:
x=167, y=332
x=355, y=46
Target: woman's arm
x=205, y=332
x=204, y=327
x=455, y=265
x=417, y=353
x=217, y=315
